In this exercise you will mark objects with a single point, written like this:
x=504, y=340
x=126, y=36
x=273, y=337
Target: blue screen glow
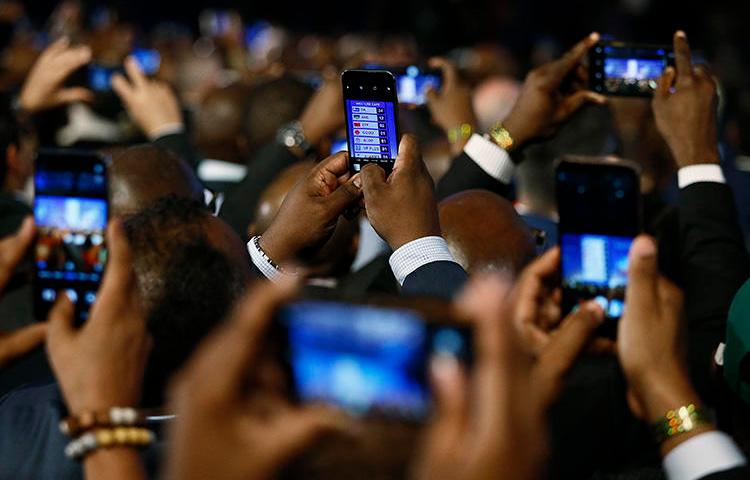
x=372, y=132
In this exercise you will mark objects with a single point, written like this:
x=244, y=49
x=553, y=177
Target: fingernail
x=644, y=247
x=596, y=310
x=72, y=295
x=681, y=33
x=594, y=36
x=357, y=180
x=444, y=368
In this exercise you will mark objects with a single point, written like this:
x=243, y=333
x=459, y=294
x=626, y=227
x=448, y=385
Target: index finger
x=573, y=57
x=409, y=155
x=134, y=72
x=13, y=249
x=336, y=165
x=450, y=75
x=682, y=57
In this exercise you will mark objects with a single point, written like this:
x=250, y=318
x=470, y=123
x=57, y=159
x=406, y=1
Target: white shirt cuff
x=263, y=265
x=702, y=455
x=418, y=253
x=706, y=172
x=164, y=130
x=494, y=160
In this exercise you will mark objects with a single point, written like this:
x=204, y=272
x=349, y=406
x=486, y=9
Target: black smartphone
x=625, y=69
x=599, y=204
x=371, y=111
x=70, y=210
x=369, y=360
x=100, y=76
x=412, y=82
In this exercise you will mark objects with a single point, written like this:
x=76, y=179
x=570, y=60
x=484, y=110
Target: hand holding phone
x=366, y=359
x=626, y=69
x=685, y=109
x=371, y=111
x=70, y=209
x=599, y=203
x=100, y=76
x=402, y=207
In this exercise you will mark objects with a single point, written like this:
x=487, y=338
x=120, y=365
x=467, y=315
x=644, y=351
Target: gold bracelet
x=501, y=136
x=461, y=132
x=137, y=437
x=680, y=420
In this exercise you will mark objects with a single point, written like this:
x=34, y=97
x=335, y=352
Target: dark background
x=441, y=24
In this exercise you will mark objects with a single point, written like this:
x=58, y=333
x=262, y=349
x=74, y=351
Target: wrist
x=657, y=396
x=398, y=241
x=277, y=246
x=517, y=130
x=688, y=158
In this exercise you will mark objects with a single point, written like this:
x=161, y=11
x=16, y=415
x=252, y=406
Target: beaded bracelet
x=108, y=438
x=114, y=417
x=680, y=420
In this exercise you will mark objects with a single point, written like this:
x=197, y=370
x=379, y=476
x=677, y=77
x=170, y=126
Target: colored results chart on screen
x=372, y=131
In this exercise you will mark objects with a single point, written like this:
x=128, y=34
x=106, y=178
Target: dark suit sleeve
x=714, y=264
x=465, y=174
x=179, y=144
x=437, y=279
x=240, y=202
x=740, y=473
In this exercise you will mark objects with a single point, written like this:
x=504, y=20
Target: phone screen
x=412, y=84
x=70, y=211
x=599, y=208
x=100, y=76
x=367, y=360
x=371, y=104
x=618, y=68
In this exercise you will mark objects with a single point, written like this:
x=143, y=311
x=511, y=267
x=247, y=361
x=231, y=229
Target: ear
x=241, y=144
x=12, y=157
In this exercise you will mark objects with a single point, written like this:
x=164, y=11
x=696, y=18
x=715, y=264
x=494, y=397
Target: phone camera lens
x=374, y=88
x=361, y=87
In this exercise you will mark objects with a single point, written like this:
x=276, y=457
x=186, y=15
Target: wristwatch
x=501, y=136
x=292, y=136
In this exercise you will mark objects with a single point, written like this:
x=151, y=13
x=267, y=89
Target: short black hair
x=187, y=285
x=272, y=104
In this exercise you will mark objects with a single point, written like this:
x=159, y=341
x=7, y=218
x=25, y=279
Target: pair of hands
x=492, y=424
x=401, y=207
x=550, y=94
x=150, y=103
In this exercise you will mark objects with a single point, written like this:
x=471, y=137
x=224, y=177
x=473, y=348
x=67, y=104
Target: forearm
x=122, y=463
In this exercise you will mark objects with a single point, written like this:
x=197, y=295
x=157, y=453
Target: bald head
x=143, y=174
x=273, y=196
x=484, y=232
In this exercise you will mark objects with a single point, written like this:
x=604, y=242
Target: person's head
x=190, y=267
x=144, y=173
x=590, y=131
x=17, y=144
x=493, y=99
x=272, y=104
x=335, y=257
x=484, y=232
x=219, y=124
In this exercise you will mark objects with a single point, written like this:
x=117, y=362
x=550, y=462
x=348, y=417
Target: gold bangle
x=501, y=136
x=461, y=132
x=136, y=437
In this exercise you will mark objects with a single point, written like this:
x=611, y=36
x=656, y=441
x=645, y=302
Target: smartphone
x=625, y=69
x=100, y=76
x=412, y=82
x=368, y=360
x=371, y=112
x=599, y=204
x=70, y=210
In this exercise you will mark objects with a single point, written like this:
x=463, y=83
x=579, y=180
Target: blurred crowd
x=230, y=197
